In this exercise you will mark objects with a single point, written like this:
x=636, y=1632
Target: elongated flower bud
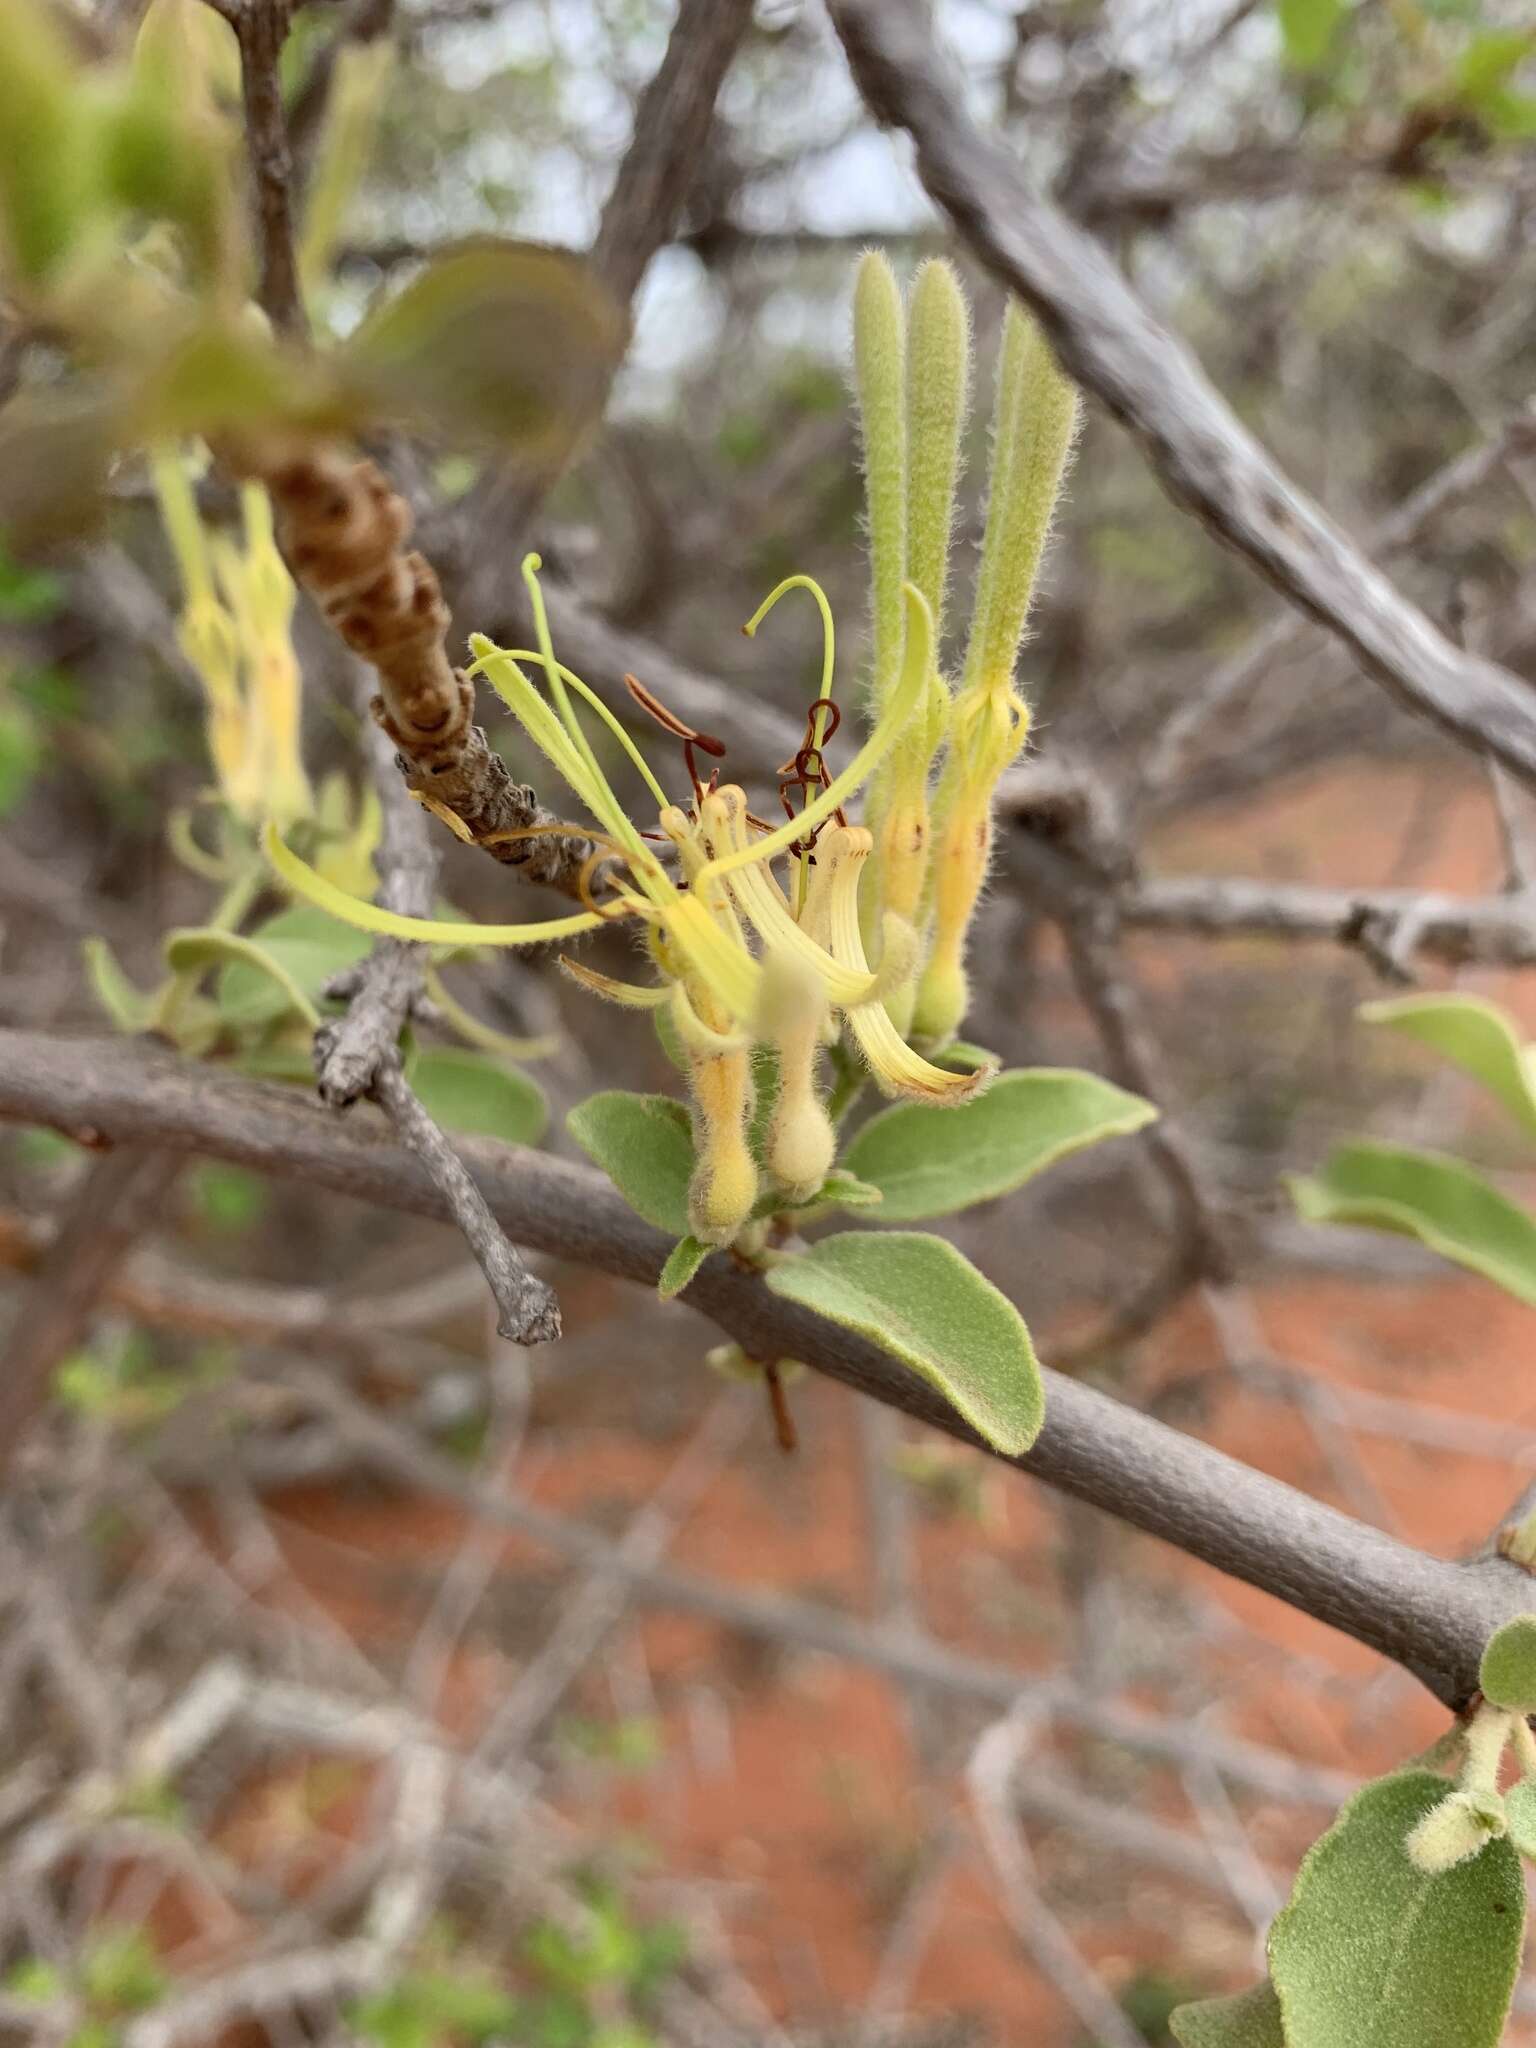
x=792, y=1009
x=879, y=361
x=724, y=1184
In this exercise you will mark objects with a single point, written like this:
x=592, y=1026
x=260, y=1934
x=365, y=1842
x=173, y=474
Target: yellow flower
x=741, y=960
x=236, y=631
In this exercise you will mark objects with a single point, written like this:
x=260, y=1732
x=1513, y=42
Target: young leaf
x=1373, y=1953
x=503, y=342
x=1477, y=1035
x=1507, y=1674
x=922, y=1301
x=928, y=1161
x=1422, y=1194
x=644, y=1143
x=687, y=1255
x=1248, y=2019
x=469, y=1092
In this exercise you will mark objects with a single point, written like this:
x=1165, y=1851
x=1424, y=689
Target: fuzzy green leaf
x=644, y=1143
x=1373, y=1953
x=478, y=1095
x=1438, y=1200
x=685, y=1259
x=1507, y=1674
x=308, y=946
x=1248, y=2019
x=503, y=342
x=1520, y=1817
x=926, y=1304
x=928, y=1161
x=194, y=951
x=1477, y=1035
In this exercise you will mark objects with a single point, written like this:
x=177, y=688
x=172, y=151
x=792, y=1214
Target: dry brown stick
x=1432, y=1615
x=672, y=123
x=1455, y=481
x=120, y=1198
x=261, y=29
x=671, y=128
x=1203, y=454
x=908, y=1656
x=1462, y=931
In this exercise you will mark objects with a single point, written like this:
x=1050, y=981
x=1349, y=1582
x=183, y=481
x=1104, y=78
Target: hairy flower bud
x=1455, y=1830
x=792, y=1009
x=724, y=1185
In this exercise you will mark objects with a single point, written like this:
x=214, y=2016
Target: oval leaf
x=1249, y=2019
x=922, y=1301
x=1477, y=1035
x=687, y=1255
x=1372, y=1953
x=928, y=1161
x=1438, y=1200
x=192, y=952
x=1507, y=1674
x=468, y=1092
x=644, y=1143
x=498, y=341
x=309, y=947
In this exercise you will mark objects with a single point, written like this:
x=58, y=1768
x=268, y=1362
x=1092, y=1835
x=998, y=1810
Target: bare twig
x=1462, y=931
x=527, y=1312
x=672, y=122
x=1285, y=634
x=1431, y=1615
x=261, y=28
x=384, y=989
x=1202, y=452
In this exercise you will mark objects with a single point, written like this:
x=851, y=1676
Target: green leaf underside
x=479, y=1096
x=309, y=947
x=1476, y=1036
x=437, y=349
x=685, y=1259
x=644, y=1143
x=1447, y=1206
x=930, y=1161
x=1372, y=1953
x=920, y=1300
x=1507, y=1674
x=1248, y=2019
x=840, y=1190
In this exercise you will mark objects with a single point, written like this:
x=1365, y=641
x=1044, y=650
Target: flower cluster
x=236, y=630
x=862, y=930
